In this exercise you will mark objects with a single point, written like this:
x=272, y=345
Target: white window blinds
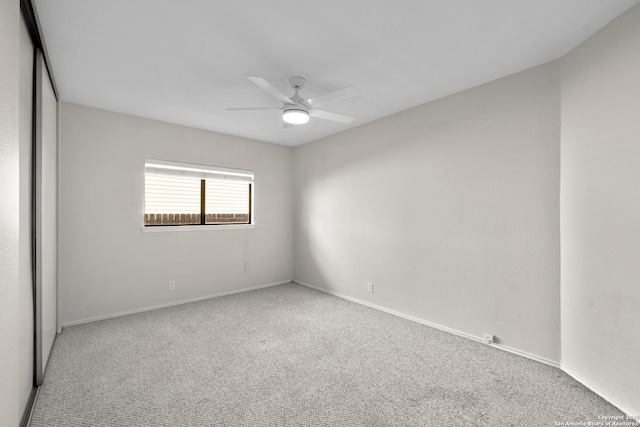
x=166, y=194
x=226, y=196
x=187, y=194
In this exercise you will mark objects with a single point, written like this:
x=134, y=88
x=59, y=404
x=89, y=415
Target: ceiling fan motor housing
x=296, y=107
x=297, y=113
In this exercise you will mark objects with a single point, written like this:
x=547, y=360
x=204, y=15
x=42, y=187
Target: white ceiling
x=185, y=61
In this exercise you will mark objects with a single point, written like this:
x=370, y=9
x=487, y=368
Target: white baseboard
x=435, y=325
x=169, y=304
x=635, y=415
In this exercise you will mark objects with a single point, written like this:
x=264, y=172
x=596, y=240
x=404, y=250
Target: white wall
x=10, y=409
x=109, y=265
x=450, y=208
x=600, y=204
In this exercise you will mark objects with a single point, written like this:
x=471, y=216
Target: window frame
x=211, y=172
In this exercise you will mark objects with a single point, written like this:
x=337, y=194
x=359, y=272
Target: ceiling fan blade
x=273, y=91
x=328, y=115
x=335, y=96
x=253, y=108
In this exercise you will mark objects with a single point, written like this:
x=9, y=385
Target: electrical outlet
x=370, y=287
x=489, y=338
x=172, y=285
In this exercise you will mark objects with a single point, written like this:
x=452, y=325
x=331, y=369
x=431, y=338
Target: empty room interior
x=261, y=213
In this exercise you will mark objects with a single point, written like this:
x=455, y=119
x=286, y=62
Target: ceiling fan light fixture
x=295, y=116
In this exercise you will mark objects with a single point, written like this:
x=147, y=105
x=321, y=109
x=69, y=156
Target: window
x=188, y=194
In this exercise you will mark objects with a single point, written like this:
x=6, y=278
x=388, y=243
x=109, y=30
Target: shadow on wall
x=453, y=201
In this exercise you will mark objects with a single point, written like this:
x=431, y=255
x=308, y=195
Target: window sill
x=211, y=227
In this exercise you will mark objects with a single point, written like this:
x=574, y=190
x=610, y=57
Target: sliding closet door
x=26, y=345
x=46, y=178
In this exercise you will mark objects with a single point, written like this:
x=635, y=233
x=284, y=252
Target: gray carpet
x=292, y=356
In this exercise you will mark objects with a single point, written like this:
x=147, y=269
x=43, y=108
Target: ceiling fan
x=297, y=110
